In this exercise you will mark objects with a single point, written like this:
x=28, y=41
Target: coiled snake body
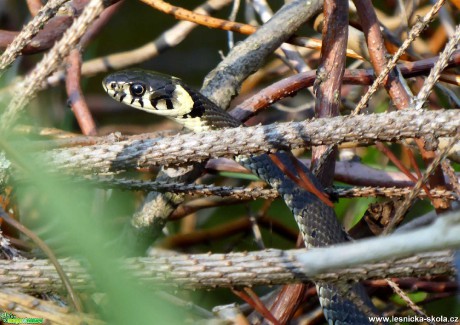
x=168, y=96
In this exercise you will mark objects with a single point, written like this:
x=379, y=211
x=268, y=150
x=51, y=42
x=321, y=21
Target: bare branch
x=414, y=32
x=435, y=72
x=31, y=84
x=29, y=31
x=196, y=147
x=25, y=306
x=269, y=267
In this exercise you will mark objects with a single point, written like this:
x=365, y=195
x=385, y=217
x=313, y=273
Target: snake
x=168, y=96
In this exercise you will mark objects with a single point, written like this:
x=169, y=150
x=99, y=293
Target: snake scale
x=168, y=96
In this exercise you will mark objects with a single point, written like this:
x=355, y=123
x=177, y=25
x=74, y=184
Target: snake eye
x=137, y=89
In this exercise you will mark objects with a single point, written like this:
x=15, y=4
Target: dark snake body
x=347, y=304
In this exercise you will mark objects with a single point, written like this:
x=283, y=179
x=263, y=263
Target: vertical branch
x=398, y=92
x=330, y=73
x=413, y=33
x=328, y=95
x=327, y=87
x=76, y=98
x=378, y=53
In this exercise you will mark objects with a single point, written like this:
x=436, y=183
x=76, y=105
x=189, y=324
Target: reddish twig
x=76, y=99
x=234, y=227
x=378, y=54
x=413, y=163
x=401, y=166
x=398, y=92
x=414, y=284
x=261, y=306
x=211, y=22
x=44, y=40
x=288, y=301
x=290, y=85
x=254, y=301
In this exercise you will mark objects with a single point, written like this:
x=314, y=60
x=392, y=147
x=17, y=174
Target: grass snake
x=168, y=96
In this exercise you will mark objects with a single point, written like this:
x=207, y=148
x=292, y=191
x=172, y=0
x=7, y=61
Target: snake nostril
x=113, y=85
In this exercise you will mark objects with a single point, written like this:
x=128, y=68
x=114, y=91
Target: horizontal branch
x=397, y=255
x=191, y=147
x=248, y=193
x=269, y=267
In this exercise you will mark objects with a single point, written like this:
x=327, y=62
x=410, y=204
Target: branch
x=269, y=267
x=414, y=32
x=29, y=31
x=435, y=72
x=186, y=148
x=168, y=39
x=378, y=54
x=251, y=193
x=25, y=306
x=290, y=85
x=31, y=84
x=328, y=83
x=223, y=83
x=51, y=32
x=76, y=98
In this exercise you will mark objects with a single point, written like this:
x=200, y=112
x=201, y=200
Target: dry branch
x=29, y=31
x=31, y=84
x=269, y=267
x=252, y=193
x=198, y=147
x=25, y=306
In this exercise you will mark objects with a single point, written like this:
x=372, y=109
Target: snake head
x=149, y=91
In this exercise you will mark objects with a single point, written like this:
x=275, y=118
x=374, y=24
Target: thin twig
x=393, y=285
x=28, y=32
x=395, y=86
x=211, y=22
x=252, y=193
x=414, y=32
x=380, y=146
x=450, y=172
x=435, y=72
x=232, y=17
x=44, y=247
x=77, y=101
x=31, y=84
x=290, y=85
x=402, y=209
x=168, y=39
x=27, y=306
